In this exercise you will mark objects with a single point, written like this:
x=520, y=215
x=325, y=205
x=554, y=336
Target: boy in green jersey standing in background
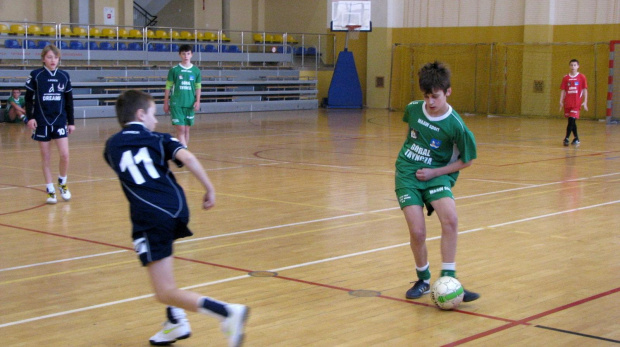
x=437, y=147
x=185, y=83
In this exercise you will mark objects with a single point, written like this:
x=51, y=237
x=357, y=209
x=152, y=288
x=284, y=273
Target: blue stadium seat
x=62, y=45
x=42, y=43
x=93, y=46
x=121, y=46
x=174, y=47
x=150, y=47
x=76, y=45
x=280, y=49
x=135, y=46
x=11, y=43
x=300, y=50
x=29, y=44
x=210, y=48
x=311, y=51
x=105, y=45
x=231, y=49
x=198, y=48
x=161, y=47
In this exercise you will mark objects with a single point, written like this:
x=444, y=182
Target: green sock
x=424, y=275
x=450, y=273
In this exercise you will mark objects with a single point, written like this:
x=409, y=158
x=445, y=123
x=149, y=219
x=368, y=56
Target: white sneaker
x=233, y=325
x=51, y=197
x=171, y=333
x=64, y=192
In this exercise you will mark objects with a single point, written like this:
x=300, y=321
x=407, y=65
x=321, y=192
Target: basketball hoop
x=353, y=32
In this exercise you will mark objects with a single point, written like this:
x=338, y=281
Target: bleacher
x=241, y=71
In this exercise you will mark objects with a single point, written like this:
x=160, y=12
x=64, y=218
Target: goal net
x=504, y=79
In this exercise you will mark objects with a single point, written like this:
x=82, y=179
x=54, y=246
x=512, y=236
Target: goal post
x=613, y=92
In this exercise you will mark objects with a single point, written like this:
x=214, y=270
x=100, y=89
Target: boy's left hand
x=70, y=128
x=425, y=174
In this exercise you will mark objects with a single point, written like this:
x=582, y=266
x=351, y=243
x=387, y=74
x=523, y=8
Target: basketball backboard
x=347, y=13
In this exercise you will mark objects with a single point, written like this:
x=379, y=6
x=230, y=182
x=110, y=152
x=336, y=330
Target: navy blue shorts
x=45, y=133
x=155, y=242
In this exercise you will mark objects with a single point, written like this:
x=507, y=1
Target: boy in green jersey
x=438, y=145
x=15, y=107
x=185, y=82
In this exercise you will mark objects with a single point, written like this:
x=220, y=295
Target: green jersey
x=432, y=142
x=19, y=101
x=183, y=83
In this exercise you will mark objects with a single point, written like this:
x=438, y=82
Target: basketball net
x=353, y=32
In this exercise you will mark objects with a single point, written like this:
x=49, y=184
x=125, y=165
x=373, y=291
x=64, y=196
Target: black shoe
x=575, y=142
x=419, y=288
x=566, y=141
x=470, y=296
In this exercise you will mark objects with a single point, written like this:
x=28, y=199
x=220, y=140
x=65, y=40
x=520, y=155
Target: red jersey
x=573, y=86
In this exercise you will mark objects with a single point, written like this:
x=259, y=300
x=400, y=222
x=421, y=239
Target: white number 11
x=129, y=162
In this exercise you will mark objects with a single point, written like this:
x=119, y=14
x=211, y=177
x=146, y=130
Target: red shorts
x=572, y=112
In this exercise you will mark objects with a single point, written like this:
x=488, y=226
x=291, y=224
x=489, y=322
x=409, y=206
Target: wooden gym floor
x=307, y=231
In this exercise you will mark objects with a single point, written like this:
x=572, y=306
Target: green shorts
x=182, y=115
x=411, y=191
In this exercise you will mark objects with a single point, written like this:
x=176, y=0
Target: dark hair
x=573, y=61
x=433, y=76
x=128, y=104
x=185, y=48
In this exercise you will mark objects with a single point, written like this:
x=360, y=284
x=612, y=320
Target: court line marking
x=345, y=216
x=473, y=337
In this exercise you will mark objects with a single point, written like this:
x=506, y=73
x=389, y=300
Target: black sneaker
x=575, y=142
x=566, y=141
x=470, y=296
x=419, y=288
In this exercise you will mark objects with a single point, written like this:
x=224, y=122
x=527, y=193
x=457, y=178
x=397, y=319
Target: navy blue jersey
x=52, y=97
x=140, y=159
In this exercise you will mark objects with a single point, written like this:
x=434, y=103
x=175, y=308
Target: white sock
x=50, y=188
x=448, y=266
x=62, y=180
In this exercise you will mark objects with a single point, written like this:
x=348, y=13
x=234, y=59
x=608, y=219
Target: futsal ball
x=447, y=293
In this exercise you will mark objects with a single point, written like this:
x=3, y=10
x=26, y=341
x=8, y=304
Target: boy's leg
x=232, y=316
x=446, y=211
x=44, y=148
x=414, y=215
x=180, y=132
x=63, y=149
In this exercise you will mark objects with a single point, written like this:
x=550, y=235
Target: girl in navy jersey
x=49, y=114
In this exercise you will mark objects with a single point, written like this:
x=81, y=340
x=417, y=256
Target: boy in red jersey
x=574, y=87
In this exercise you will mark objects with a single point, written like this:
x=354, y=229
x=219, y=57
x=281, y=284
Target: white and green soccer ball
x=447, y=293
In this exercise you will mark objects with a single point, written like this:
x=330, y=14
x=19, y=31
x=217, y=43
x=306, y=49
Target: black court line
x=579, y=334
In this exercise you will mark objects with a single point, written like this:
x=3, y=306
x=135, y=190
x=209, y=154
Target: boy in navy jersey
x=159, y=214
x=49, y=114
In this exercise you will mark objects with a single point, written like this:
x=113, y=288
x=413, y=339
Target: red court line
x=536, y=316
x=473, y=337
x=559, y=158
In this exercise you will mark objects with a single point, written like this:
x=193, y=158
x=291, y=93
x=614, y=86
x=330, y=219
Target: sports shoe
x=566, y=141
x=233, y=325
x=575, y=142
x=470, y=296
x=64, y=192
x=171, y=333
x=51, y=197
x=419, y=288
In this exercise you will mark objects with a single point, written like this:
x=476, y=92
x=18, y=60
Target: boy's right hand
x=32, y=124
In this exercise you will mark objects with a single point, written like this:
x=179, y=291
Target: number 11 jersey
x=140, y=159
